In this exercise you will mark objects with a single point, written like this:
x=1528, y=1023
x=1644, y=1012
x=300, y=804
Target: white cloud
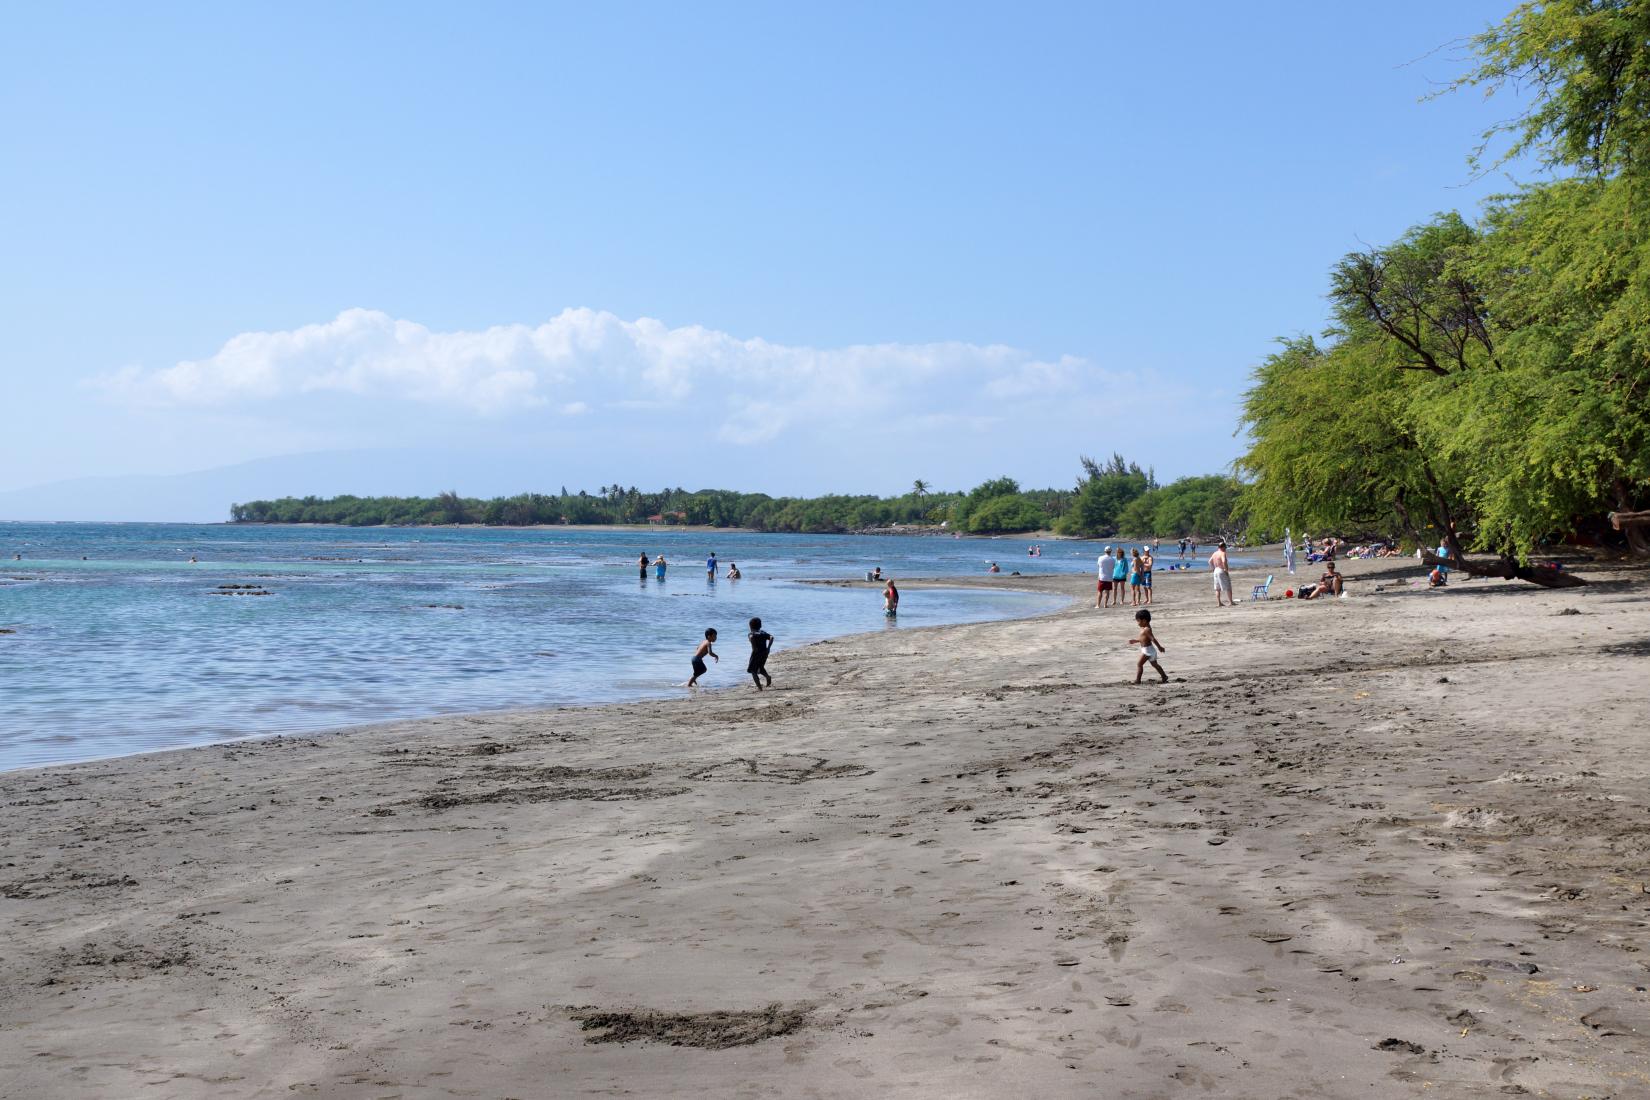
x=587, y=363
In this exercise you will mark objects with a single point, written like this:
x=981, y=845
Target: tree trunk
x=1506, y=569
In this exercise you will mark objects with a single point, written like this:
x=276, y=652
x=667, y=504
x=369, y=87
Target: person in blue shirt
x=710, y=566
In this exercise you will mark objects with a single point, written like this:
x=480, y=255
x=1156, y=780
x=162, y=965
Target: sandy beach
x=1388, y=846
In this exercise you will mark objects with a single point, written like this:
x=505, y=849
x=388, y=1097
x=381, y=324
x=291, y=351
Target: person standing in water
x=641, y=565
x=761, y=646
x=710, y=566
x=890, y=599
x=659, y=567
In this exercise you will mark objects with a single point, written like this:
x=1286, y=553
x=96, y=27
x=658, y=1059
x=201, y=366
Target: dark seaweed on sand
x=708, y=1030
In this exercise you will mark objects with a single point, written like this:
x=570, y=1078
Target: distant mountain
x=205, y=495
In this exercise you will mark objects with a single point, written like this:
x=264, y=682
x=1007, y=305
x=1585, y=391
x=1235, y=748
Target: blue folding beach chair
x=1262, y=591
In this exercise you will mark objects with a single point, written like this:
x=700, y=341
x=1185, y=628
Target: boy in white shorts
x=1149, y=646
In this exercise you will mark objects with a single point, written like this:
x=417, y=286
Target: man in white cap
x=1103, y=594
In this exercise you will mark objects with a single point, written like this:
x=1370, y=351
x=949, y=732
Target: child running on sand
x=1149, y=646
x=699, y=655
x=761, y=646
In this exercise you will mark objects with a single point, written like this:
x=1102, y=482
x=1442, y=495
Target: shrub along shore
x=1113, y=498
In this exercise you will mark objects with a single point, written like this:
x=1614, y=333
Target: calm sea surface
x=120, y=645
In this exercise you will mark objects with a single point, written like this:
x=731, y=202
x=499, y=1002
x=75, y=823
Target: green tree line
x=1485, y=382
x=1114, y=498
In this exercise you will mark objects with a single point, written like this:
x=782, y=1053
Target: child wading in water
x=761, y=646
x=1149, y=646
x=699, y=655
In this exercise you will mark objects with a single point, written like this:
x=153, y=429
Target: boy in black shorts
x=699, y=655
x=761, y=646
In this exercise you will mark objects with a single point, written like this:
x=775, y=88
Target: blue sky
x=757, y=246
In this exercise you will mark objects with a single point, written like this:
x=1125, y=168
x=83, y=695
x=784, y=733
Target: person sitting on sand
x=1330, y=584
x=699, y=655
x=761, y=646
x=1149, y=646
x=876, y=574
x=1438, y=578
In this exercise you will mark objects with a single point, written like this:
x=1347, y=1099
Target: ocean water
x=119, y=644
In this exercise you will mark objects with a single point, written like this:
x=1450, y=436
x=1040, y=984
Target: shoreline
x=546, y=709
x=1357, y=847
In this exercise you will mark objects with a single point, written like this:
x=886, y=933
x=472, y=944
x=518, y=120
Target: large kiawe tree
x=1488, y=384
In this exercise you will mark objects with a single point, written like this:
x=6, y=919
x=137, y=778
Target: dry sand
x=1389, y=846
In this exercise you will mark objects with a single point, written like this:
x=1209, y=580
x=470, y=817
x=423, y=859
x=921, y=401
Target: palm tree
x=919, y=487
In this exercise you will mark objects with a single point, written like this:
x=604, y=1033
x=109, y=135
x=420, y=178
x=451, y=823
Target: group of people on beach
x=761, y=641
x=1122, y=573
x=1121, y=568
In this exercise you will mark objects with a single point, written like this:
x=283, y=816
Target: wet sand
x=1394, y=845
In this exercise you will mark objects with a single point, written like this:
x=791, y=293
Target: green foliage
x=993, y=507
x=1491, y=379
x=611, y=505
x=1330, y=447
x=1588, y=62
x=1102, y=495
x=1495, y=378
x=1007, y=513
x=1189, y=506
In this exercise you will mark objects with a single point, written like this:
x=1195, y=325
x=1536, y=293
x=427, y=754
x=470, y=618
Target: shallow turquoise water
x=134, y=648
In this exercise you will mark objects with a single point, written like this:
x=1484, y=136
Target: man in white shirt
x=1103, y=594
